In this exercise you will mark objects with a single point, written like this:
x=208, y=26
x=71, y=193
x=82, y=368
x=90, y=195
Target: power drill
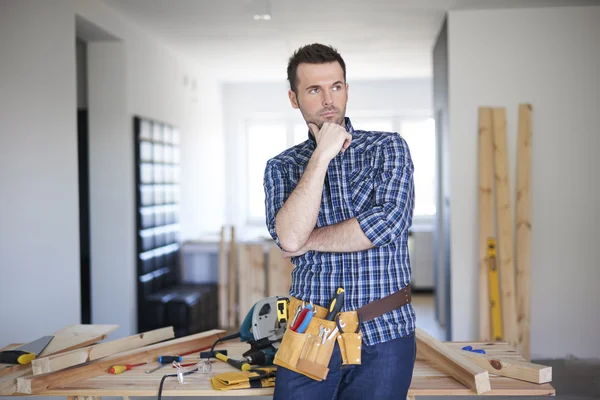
x=261, y=357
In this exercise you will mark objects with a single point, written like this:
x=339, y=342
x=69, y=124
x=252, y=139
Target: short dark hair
x=315, y=53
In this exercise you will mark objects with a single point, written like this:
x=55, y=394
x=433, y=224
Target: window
x=420, y=136
x=267, y=138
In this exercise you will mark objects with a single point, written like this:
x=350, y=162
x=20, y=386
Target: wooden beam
x=486, y=216
x=232, y=286
x=521, y=370
x=453, y=363
x=524, y=230
x=504, y=217
x=279, y=272
x=79, y=356
x=35, y=384
x=251, y=272
x=223, y=283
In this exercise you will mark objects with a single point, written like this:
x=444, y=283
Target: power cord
x=212, y=351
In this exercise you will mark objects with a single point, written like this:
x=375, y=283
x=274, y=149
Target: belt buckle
x=341, y=327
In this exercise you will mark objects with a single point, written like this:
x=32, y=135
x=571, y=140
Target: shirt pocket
x=361, y=182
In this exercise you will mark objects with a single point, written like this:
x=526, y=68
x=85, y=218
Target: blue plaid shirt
x=372, y=181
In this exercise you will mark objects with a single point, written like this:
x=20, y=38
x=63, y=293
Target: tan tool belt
x=309, y=352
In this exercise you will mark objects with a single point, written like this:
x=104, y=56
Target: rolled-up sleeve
x=393, y=206
x=276, y=193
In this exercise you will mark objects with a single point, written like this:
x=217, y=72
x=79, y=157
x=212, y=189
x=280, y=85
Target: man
x=340, y=205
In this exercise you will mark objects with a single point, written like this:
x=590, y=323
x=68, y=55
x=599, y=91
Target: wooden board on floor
x=452, y=362
x=36, y=384
x=60, y=361
x=252, y=282
x=486, y=216
x=504, y=217
x=524, y=230
x=279, y=272
x=427, y=380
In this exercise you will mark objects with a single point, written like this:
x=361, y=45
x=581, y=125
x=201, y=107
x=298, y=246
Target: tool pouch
x=306, y=353
x=350, y=341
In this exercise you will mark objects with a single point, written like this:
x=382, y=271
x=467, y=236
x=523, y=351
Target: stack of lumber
x=248, y=272
x=79, y=352
x=497, y=223
x=473, y=369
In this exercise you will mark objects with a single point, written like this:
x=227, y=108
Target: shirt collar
x=349, y=129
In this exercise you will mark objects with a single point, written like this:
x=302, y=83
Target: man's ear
x=293, y=98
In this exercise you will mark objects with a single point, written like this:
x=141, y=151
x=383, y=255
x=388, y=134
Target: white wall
x=39, y=221
x=111, y=180
x=551, y=58
x=146, y=78
x=244, y=100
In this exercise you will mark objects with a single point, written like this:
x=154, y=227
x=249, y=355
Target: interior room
x=135, y=140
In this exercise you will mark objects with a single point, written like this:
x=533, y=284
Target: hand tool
x=163, y=360
x=241, y=365
x=117, y=369
x=494, y=282
x=26, y=353
x=301, y=318
x=333, y=333
x=305, y=321
x=155, y=369
x=325, y=334
x=471, y=349
x=336, y=304
x=296, y=315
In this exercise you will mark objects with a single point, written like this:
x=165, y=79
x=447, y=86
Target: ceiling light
x=262, y=10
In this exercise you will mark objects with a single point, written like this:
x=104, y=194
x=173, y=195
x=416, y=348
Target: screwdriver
x=117, y=369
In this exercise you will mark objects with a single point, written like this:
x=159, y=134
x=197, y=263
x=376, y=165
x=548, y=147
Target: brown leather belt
x=384, y=305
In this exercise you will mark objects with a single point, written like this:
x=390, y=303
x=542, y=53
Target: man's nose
x=327, y=99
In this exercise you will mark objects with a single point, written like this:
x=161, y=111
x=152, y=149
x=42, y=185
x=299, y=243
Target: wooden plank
x=521, y=370
x=452, y=362
x=77, y=336
x=233, y=315
x=525, y=136
x=79, y=356
x=223, y=283
x=252, y=275
x=504, y=217
x=65, y=339
x=68, y=338
x=34, y=384
x=279, y=272
x=486, y=217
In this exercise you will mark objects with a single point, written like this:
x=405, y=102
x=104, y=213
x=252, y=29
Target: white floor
x=425, y=311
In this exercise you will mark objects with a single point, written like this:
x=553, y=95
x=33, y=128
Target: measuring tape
x=495, y=306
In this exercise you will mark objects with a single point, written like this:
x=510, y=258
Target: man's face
x=322, y=94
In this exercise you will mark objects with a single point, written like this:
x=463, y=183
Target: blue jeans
x=385, y=373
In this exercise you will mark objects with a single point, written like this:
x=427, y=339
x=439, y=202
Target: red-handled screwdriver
x=117, y=369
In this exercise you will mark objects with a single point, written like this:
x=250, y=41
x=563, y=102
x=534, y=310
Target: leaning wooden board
x=427, y=380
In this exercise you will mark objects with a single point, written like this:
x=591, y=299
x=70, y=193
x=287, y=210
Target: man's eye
x=336, y=88
x=313, y=90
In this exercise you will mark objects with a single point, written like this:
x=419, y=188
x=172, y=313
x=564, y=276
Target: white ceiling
x=377, y=38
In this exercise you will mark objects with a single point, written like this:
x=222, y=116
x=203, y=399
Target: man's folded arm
x=390, y=215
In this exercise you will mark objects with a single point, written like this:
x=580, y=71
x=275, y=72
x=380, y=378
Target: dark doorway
x=84, y=187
